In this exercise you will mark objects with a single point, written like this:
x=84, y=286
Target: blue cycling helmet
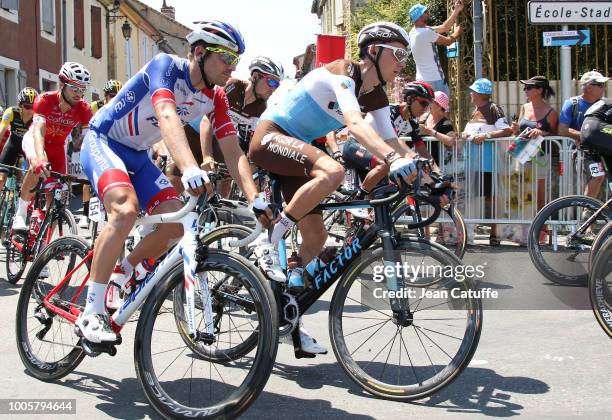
x=482, y=86
x=215, y=32
x=417, y=11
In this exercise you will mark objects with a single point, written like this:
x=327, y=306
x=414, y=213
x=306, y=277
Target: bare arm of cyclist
x=174, y=137
x=206, y=139
x=39, y=130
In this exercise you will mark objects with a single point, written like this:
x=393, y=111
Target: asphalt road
x=540, y=364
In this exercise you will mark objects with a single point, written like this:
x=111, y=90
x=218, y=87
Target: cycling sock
x=281, y=227
x=95, y=298
x=22, y=207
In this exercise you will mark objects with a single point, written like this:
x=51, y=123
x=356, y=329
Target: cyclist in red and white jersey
x=155, y=104
x=55, y=115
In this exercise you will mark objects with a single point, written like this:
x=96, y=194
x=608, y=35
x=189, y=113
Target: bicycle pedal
x=301, y=354
x=95, y=349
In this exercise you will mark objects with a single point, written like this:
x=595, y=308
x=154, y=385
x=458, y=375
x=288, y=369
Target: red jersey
x=58, y=124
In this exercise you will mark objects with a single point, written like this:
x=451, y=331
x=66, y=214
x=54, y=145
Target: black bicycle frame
x=382, y=228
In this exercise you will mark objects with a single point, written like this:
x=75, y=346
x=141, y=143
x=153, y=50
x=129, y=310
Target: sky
x=279, y=29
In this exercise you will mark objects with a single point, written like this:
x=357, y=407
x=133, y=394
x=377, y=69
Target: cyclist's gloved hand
x=264, y=211
x=402, y=168
x=194, y=180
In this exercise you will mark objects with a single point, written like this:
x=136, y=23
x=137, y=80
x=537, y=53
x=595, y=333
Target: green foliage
x=393, y=11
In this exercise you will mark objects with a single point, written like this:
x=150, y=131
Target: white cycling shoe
x=19, y=223
x=95, y=328
x=269, y=262
x=308, y=345
x=84, y=222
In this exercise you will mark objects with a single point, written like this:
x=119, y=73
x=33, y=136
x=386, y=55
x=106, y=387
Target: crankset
x=291, y=315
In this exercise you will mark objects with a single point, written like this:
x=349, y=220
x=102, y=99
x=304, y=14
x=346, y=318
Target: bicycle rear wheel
x=601, y=238
x=555, y=251
x=178, y=382
x=46, y=342
x=17, y=252
x=431, y=343
x=600, y=287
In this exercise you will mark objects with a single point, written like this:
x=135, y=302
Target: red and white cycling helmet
x=75, y=74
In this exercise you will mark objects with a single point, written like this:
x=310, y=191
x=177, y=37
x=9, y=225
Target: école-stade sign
x=562, y=13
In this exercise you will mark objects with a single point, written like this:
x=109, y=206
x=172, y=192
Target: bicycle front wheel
x=62, y=223
x=178, y=382
x=554, y=248
x=600, y=286
x=46, y=342
x=421, y=344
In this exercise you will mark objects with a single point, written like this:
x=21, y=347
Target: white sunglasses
x=400, y=54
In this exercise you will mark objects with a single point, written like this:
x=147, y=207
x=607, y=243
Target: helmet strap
x=377, y=65
x=64, y=96
x=201, y=67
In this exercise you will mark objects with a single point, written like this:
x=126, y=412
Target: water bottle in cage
x=350, y=179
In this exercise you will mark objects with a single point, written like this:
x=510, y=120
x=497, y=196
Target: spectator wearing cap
x=487, y=121
x=437, y=125
x=593, y=85
x=424, y=40
x=541, y=119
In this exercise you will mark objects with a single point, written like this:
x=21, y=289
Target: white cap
x=593, y=76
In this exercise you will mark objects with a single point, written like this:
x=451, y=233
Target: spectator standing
x=487, y=121
x=424, y=40
x=437, y=125
x=593, y=85
x=537, y=115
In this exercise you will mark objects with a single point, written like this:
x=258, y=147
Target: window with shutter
x=48, y=16
x=96, y=32
x=79, y=24
x=9, y=4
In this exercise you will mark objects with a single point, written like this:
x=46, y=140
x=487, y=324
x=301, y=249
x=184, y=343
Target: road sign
x=566, y=12
x=559, y=38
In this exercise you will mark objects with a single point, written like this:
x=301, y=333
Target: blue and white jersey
x=129, y=118
x=317, y=103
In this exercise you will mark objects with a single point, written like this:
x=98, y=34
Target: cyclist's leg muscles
x=156, y=197
x=290, y=157
x=109, y=177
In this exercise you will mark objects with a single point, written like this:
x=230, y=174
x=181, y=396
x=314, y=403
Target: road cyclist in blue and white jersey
x=155, y=104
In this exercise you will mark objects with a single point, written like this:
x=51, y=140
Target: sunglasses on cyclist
x=26, y=106
x=400, y=54
x=227, y=57
x=273, y=83
x=76, y=89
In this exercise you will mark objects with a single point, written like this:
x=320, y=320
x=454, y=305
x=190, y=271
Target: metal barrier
x=495, y=189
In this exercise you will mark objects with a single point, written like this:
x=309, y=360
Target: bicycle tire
x=3, y=212
x=600, y=288
x=31, y=289
x=240, y=349
x=460, y=229
x=601, y=238
x=570, y=268
x=62, y=217
x=420, y=389
x=16, y=258
x=233, y=403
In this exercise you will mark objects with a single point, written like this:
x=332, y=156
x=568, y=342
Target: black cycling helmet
x=112, y=86
x=419, y=89
x=27, y=96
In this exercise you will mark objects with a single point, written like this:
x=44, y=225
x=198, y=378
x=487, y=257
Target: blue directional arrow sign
x=559, y=38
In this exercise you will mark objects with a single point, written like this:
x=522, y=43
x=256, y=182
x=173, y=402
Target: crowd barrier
x=494, y=188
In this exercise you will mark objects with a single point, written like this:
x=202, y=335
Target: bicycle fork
x=190, y=244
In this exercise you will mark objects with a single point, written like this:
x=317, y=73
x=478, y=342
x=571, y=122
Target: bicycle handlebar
x=169, y=217
x=238, y=243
